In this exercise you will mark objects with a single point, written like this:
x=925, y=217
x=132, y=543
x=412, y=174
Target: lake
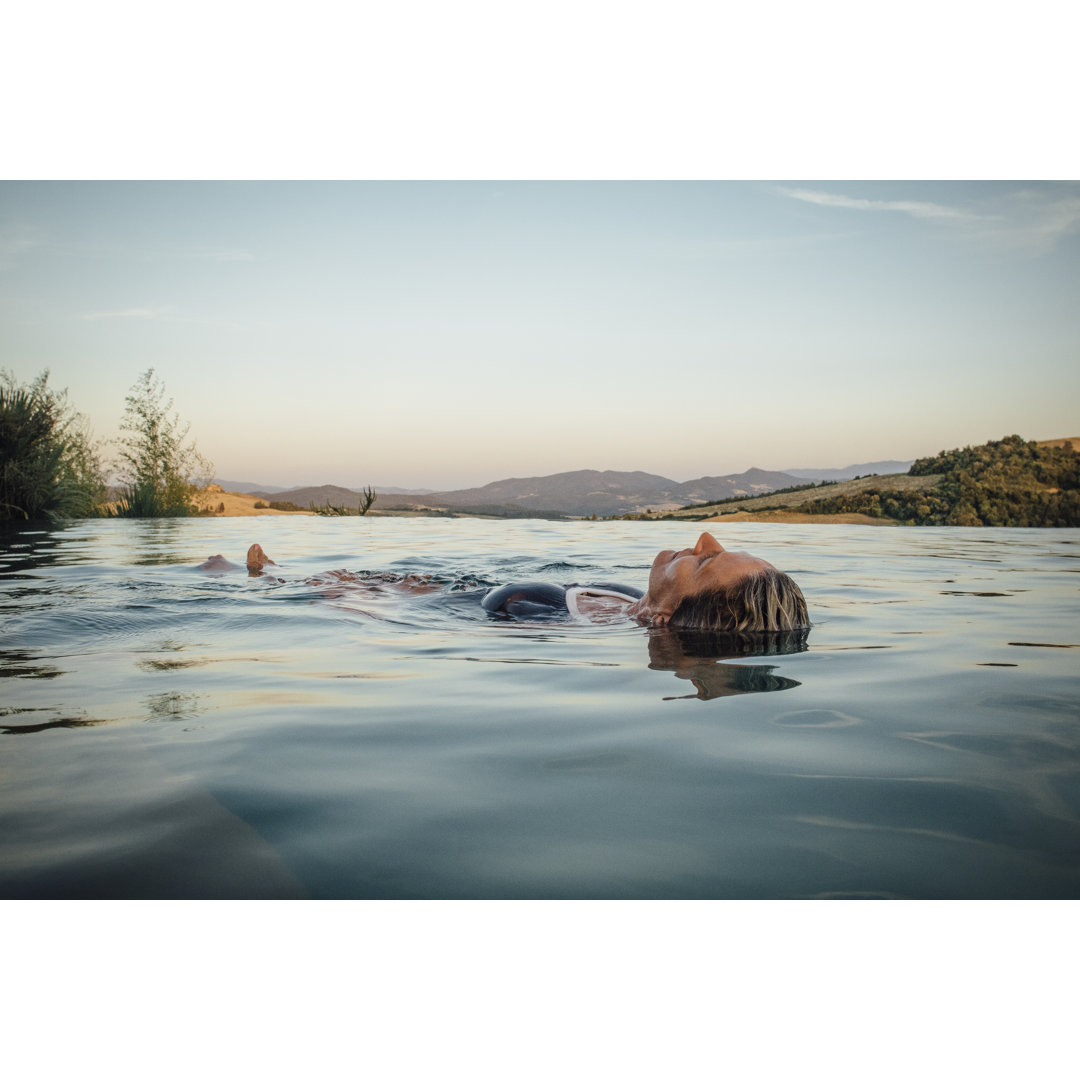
x=168, y=733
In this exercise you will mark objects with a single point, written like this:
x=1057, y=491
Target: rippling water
x=168, y=733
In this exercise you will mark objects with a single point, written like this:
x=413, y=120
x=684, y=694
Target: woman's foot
x=257, y=559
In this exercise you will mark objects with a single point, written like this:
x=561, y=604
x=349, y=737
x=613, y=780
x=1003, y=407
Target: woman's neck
x=643, y=613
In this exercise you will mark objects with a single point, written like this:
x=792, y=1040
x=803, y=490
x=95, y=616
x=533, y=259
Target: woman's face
x=675, y=575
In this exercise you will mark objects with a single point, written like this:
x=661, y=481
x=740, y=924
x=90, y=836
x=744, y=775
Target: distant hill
x=849, y=472
x=583, y=492
x=751, y=482
x=587, y=491
x=245, y=487
x=321, y=494
x=308, y=496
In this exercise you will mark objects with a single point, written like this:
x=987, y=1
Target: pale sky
x=446, y=334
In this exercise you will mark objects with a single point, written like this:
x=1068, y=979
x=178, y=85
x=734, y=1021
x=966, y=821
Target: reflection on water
x=816, y=718
x=257, y=737
x=15, y=722
x=16, y=664
x=704, y=659
x=1043, y=644
x=174, y=706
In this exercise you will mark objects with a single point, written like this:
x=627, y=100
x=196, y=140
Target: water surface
x=168, y=733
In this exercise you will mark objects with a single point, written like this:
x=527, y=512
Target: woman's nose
x=707, y=544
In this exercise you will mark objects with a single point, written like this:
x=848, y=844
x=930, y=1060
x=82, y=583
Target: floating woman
x=701, y=588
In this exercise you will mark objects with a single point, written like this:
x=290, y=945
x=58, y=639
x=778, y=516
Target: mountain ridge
x=580, y=492
x=850, y=472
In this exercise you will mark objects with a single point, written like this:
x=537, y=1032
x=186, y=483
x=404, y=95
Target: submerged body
x=704, y=588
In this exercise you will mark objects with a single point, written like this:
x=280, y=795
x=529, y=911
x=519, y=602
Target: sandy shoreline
x=238, y=505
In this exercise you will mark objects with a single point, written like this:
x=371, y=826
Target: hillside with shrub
x=1003, y=482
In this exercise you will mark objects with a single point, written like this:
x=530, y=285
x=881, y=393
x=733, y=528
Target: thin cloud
x=924, y=210
x=130, y=313
x=1037, y=220
x=15, y=240
x=1029, y=221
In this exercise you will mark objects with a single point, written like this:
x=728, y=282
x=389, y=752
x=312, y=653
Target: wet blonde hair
x=764, y=601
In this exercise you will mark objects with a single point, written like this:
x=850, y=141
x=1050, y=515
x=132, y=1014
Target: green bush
x=49, y=463
x=160, y=471
x=1003, y=482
